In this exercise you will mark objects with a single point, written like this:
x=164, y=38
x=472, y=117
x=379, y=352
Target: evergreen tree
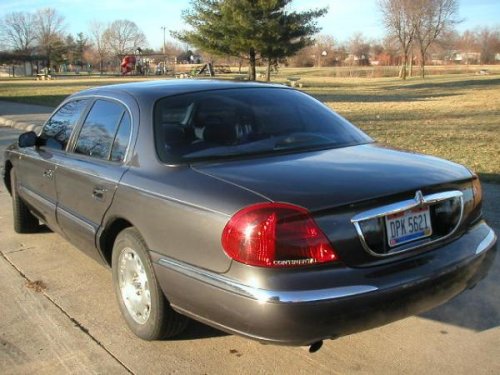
x=81, y=44
x=249, y=29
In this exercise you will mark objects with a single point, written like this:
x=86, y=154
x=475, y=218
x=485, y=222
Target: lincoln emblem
x=419, y=197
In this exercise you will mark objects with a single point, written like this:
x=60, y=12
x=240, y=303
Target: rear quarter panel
x=180, y=213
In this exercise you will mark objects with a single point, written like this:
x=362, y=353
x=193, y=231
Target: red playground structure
x=128, y=64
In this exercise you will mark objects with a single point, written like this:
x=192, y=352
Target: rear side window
x=99, y=129
x=121, y=140
x=57, y=130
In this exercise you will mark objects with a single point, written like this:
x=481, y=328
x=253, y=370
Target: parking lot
x=58, y=315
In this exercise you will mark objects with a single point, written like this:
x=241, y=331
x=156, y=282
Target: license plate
x=408, y=226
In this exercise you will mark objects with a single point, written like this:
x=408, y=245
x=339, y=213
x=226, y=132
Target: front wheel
x=24, y=220
x=142, y=302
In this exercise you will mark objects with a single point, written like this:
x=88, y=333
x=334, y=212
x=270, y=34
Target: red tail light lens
x=276, y=235
x=477, y=190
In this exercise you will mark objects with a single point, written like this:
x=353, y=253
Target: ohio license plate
x=408, y=226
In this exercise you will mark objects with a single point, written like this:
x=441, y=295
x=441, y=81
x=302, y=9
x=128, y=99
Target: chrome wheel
x=134, y=285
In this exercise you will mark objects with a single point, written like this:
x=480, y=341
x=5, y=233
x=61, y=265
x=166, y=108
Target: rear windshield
x=247, y=121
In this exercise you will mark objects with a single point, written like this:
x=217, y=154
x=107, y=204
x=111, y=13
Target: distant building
x=466, y=57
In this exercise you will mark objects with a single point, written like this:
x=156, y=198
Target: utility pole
x=164, y=52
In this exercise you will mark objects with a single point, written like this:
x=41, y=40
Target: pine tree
x=249, y=29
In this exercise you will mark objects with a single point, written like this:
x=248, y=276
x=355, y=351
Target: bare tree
x=323, y=49
x=468, y=43
x=49, y=26
x=97, y=33
x=359, y=48
x=173, y=49
x=399, y=18
x=489, y=44
x=124, y=36
x=431, y=18
x=18, y=31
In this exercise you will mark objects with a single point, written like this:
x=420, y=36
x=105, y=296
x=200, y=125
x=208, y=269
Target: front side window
x=98, y=131
x=247, y=121
x=57, y=130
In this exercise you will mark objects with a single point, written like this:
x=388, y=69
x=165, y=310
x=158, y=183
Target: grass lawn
x=456, y=117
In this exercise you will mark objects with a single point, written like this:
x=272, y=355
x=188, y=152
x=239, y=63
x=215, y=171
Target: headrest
x=174, y=135
x=218, y=131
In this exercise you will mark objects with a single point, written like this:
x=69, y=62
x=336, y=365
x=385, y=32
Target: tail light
x=276, y=235
x=477, y=190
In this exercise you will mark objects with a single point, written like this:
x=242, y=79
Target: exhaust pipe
x=315, y=346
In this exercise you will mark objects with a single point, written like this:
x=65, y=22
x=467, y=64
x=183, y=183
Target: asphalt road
x=58, y=315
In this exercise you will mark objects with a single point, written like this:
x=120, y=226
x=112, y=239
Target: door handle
x=48, y=173
x=99, y=193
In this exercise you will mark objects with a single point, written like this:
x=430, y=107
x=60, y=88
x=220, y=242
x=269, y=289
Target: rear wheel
x=141, y=300
x=24, y=220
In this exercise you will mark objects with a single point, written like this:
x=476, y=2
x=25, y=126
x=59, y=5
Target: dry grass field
x=454, y=116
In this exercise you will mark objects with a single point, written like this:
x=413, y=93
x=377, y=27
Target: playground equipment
x=128, y=64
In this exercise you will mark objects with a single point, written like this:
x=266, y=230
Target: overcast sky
x=344, y=18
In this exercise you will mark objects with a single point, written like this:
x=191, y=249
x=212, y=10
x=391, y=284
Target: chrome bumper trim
x=394, y=208
x=487, y=242
x=264, y=295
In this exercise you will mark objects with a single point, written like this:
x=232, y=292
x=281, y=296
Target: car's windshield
x=247, y=121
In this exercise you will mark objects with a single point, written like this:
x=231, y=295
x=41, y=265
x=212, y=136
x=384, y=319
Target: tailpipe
x=315, y=346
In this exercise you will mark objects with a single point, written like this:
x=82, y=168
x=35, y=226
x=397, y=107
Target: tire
x=24, y=220
x=140, y=298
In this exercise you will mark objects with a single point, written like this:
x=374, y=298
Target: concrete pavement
x=38, y=337
x=25, y=117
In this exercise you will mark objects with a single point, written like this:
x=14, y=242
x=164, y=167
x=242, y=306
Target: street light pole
x=164, y=52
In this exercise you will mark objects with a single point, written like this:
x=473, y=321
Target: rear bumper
x=360, y=299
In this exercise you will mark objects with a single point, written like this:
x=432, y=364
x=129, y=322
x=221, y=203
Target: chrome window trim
x=420, y=200
x=264, y=295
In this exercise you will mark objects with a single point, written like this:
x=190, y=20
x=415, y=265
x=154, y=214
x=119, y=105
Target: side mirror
x=28, y=139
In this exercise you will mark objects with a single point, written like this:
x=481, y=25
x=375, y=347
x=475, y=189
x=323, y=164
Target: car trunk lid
x=326, y=179
x=337, y=184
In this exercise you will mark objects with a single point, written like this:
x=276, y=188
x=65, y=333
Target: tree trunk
x=422, y=62
x=410, y=74
x=268, y=72
x=402, y=74
x=48, y=63
x=251, y=68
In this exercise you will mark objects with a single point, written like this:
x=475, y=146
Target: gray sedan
x=252, y=208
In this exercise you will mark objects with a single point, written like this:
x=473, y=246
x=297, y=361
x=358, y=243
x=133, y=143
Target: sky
x=344, y=18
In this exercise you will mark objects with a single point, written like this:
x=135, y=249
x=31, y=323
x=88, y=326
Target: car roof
x=160, y=88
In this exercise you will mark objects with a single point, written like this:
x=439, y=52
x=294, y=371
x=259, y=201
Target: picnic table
x=43, y=76
x=292, y=81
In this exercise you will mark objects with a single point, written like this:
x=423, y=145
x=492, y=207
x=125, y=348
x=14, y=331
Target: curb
x=20, y=125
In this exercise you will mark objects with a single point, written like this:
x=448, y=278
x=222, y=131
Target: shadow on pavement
x=197, y=330
x=477, y=309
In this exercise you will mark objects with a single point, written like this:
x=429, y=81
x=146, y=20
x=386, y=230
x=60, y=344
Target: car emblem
x=419, y=198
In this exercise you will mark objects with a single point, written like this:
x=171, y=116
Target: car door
x=88, y=176
x=36, y=166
